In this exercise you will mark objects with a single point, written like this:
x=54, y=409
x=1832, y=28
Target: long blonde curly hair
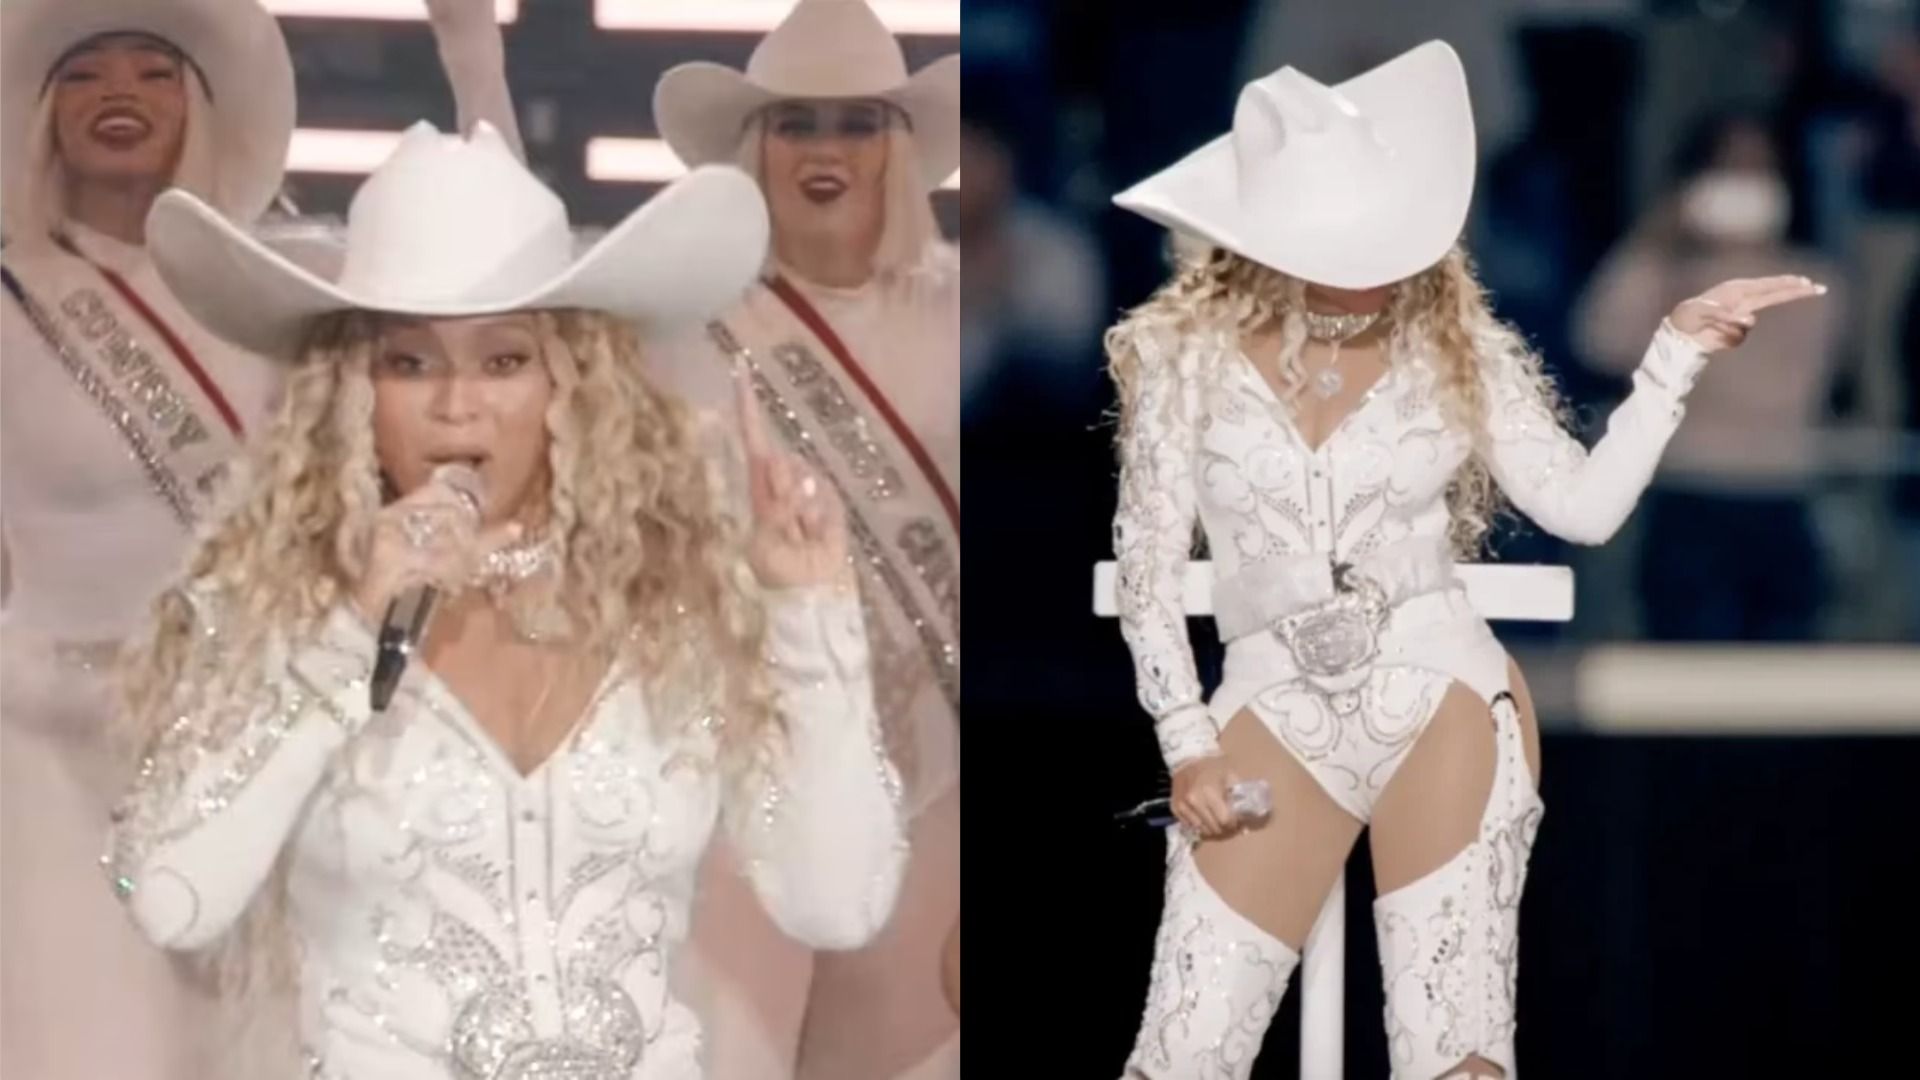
x=1441, y=313
x=652, y=572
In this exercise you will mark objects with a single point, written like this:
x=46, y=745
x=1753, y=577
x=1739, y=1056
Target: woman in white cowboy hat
x=490, y=876
x=851, y=341
x=1325, y=390
x=116, y=408
x=119, y=416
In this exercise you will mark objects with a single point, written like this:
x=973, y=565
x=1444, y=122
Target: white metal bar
x=1529, y=593
x=1323, y=998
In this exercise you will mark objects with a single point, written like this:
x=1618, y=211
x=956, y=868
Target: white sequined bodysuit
x=1212, y=440
x=458, y=920
x=1346, y=677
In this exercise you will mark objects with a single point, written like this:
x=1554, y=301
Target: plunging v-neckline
x=444, y=702
x=1292, y=425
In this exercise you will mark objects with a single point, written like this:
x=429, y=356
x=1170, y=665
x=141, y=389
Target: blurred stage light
x=505, y=10
x=317, y=150
x=650, y=161
x=633, y=160
x=934, y=17
x=1749, y=689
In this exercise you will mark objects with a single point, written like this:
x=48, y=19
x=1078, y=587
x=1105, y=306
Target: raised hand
x=799, y=532
x=1721, y=317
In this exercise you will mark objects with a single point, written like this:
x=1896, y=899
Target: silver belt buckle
x=1334, y=642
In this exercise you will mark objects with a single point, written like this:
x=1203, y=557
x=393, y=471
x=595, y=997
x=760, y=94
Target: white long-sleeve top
x=1210, y=439
x=458, y=920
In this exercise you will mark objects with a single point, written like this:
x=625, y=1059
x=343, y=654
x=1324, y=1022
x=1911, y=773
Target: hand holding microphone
x=1249, y=800
x=425, y=545
x=1208, y=800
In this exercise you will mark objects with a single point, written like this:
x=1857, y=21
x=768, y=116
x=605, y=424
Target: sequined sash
x=179, y=437
x=903, y=519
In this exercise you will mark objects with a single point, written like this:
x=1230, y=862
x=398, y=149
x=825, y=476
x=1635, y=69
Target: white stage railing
x=1514, y=593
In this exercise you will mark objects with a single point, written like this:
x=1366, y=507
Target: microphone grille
x=464, y=480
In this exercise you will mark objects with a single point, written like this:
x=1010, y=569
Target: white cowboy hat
x=1353, y=186
x=822, y=49
x=449, y=227
x=235, y=44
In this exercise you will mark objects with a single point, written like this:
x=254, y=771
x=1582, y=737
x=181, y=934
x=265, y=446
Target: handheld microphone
x=1251, y=799
x=410, y=612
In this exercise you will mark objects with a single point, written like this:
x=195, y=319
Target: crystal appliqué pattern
x=1210, y=444
x=454, y=913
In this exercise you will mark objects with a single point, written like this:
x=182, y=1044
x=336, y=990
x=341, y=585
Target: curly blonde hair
x=652, y=565
x=1441, y=313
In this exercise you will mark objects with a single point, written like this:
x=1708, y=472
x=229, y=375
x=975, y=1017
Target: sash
x=902, y=517
x=111, y=344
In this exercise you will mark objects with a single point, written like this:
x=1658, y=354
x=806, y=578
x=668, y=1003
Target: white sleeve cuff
x=1672, y=363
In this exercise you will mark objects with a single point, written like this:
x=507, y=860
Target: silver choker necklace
x=1337, y=330
x=519, y=562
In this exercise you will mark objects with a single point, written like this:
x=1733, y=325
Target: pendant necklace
x=1336, y=330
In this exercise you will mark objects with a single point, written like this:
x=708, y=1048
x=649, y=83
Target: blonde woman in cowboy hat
x=105, y=435
x=1326, y=393
x=851, y=341
x=118, y=418
x=490, y=876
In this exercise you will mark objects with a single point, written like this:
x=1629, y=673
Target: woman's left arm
x=474, y=55
x=1585, y=496
x=820, y=829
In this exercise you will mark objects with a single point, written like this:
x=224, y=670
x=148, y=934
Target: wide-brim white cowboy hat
x=235, y=44
x=823, y=49
x=451, y=227
x=1352, y=186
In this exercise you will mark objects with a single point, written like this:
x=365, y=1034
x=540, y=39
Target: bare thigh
x=1278, y=872
x=1432, y=807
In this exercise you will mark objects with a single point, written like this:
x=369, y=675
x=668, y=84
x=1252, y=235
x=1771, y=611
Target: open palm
x=1721, y=317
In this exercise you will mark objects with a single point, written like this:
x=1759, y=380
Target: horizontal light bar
x=505, y=11
x=651, y=161
x=648, y=161
x=1749, y=689
x=317, y=150
x=632, y=160
x=932, y=17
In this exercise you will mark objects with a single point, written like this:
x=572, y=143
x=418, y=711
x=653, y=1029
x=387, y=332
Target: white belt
x=1263, y=593
x=1329, y=614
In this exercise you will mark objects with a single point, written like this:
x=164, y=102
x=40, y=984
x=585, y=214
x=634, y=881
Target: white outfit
x=458, y=920
x=756, y=987
x=1210, y=439
x=88, y=543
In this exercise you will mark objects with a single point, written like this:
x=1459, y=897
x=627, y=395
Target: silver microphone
x=409, y=613
x=1250, y=799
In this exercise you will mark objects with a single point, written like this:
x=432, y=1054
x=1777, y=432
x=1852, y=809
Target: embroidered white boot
x=1450, y=941
x=1217, y=981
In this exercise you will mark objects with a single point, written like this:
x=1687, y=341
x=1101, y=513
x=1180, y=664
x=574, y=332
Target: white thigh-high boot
x=1217, y=981
x=1450, y=941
